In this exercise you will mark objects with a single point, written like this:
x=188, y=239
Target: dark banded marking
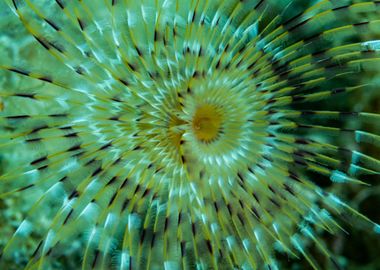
x=146, y=192
x=142, y=238
x=33, y=140
x=58, y=115
x=183, y=248
x=125, y=182
x=68, y=216
x=114, y=118
x=216, y=207
x=74, y=148
x=209, y=246
x=298, y=25
x=137, y=189
x=125, y=204
x=60, y=4
x=14, y=4
x=44, y=43
x=259, y=4
x=116, y=99
x=48, y=253
x=166, y=224
x=293, y=176
x=301, y=141
x=138, y=51
x=63, y=179
x=255, y=213
x=360, y=24
x=45, y=79
x=74, y=194
x=43, y=167
x=25, y=95
x=179, y=220
x=111, y=181
x=52, y=24
x=81, y=24
x=26, y=187
x=196, y=74
x=340, y=8
x=131, y=66
x=57, y=46
x=66, y=128
x=275, y=202
x=23, y=116
x=39, y=160
x=193, y=17
x=79, y=70
x=38, y=247
x=71, y=135
x=289, y=189
x=106, y=146
x=193, y=228
x=112, y=199
x=123, y=81
x=19, y=71
x=97, y=171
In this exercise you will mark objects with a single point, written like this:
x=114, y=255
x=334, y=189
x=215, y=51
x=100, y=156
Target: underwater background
x=355, y=248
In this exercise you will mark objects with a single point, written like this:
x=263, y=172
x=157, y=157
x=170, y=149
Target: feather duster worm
x=191, y=134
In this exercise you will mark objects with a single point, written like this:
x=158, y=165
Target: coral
x=168, y=134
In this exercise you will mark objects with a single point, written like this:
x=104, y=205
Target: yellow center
x=207, y=123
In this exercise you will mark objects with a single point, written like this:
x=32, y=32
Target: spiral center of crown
x=206, y=123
